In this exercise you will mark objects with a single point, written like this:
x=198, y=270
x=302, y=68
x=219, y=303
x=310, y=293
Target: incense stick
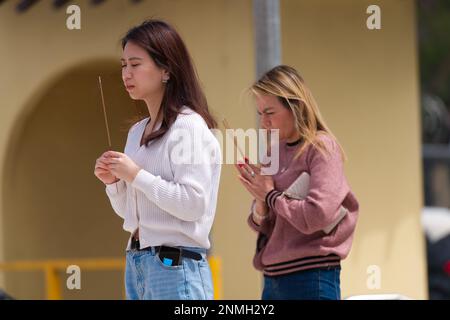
x=104, y=110
x=106, y=118
x=225, y=124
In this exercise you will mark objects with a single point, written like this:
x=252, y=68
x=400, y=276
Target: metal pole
x=266, y=17
x=266, y=20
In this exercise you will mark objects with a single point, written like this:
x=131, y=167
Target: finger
x=114, y=154
x=251, y=168
x=105, y=154
x=100, y=170
x=247, y=172
x=256, y=169
x=244, y=181
x=247, y=185
x=101, y=166
x=101, y=163
x=239, y=167
x=247, y=161
x=109, y=161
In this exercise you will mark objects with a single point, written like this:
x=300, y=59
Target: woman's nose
x=264, y=122
x=126, y=74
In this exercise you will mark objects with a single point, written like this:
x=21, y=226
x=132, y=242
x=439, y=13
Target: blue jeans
x=147, y=278
x=313, y=284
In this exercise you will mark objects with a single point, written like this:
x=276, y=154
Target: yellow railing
x=53, y=268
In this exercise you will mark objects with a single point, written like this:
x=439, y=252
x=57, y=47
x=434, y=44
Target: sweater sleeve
x=327, y=191
x=117, y=194
x=187, y=196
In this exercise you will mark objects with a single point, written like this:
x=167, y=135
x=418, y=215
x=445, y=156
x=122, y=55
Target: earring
x=165, y=80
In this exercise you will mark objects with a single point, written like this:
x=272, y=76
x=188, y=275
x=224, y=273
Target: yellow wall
x=365, y=82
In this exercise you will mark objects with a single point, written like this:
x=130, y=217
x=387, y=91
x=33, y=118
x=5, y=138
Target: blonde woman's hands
x=121, y=166
x=102, y=172
x=257, y=185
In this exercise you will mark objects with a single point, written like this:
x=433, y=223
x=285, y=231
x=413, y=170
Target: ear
x=165, y=75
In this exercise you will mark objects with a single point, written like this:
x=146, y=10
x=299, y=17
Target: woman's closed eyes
x=265, y=113
x=133, y=65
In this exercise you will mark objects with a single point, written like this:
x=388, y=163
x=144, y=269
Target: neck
x=154, y=105
x=293, y=138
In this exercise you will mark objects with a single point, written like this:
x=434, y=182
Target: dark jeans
x=314, y=284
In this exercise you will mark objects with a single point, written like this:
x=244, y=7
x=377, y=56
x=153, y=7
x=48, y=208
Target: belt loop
x=153, y=251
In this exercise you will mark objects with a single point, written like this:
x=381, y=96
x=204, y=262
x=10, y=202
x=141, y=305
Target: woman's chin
x=134, y=96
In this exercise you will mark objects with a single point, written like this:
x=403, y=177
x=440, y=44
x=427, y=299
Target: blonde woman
x=298, y=258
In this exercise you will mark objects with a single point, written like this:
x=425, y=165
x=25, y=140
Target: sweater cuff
x=271, y=197
x=116, y=188
x=143, y=180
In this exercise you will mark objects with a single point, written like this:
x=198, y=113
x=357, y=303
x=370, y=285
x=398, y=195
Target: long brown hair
x=285, y=83
x=165, y=46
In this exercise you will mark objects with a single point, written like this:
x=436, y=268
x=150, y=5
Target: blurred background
x=434, y=53
x=385, y=94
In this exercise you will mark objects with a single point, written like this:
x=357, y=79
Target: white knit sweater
x=171, y=202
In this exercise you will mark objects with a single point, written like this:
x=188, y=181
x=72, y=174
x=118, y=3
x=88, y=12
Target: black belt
x=183, y=252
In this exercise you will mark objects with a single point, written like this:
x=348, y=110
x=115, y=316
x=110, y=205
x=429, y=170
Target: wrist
x=133, y=174
x=260, y=208
x=258, y=219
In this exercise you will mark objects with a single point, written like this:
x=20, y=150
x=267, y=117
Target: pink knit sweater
x=291, y=238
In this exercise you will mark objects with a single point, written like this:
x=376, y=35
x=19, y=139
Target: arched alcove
x=54, y=206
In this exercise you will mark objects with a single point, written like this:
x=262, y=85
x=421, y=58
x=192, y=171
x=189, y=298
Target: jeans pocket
x=167, y=267
x=206, y=279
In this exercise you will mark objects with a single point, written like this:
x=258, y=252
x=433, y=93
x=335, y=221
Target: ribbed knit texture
x=172, y=203
x=291, y=238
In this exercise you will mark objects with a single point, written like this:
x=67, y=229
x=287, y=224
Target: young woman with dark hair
x=165, y=184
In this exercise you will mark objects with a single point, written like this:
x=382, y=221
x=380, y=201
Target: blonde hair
x=285, y=83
